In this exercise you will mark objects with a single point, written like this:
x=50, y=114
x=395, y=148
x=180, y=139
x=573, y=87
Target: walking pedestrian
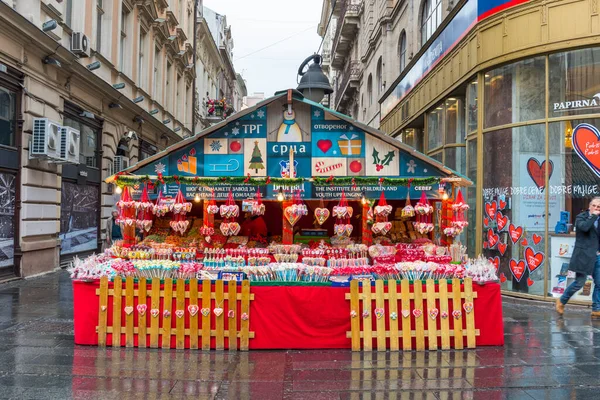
x=586, y=257
x=113, y=230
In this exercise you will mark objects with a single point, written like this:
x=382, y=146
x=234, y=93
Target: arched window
x=379, y=76
x=431, y=18
x=370, y=89
x=402, y=50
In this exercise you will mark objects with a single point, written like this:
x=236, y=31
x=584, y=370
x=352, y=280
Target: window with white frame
x=142, y=77
x=124, y=42
x=370, y=89
x=157, y=91
x=431, y=18
x=380, y=82
x=168, y=89
x=402, y=50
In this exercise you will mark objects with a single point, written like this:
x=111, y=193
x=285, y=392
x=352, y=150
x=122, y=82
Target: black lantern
x=314, y=85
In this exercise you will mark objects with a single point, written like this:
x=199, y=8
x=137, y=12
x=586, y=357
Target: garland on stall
x=130, y=180
x=357, y=180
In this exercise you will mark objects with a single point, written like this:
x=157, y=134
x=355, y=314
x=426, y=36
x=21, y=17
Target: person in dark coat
x=586, y=257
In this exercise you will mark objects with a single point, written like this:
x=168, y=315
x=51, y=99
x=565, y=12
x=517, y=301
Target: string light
x=363, y=199
x=280, y=195
x=445, y=196
x=118, y=190
x=197, y=197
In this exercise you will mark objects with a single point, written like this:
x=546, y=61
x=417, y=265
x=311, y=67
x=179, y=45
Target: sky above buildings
x=271, y=39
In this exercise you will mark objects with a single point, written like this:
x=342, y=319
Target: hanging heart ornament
x=292, y=215
x=322, y=214
x=193, y=309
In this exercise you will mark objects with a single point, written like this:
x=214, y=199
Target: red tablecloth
x=298, y=317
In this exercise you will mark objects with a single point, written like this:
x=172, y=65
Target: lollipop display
x=144, y=209
x=343, y=212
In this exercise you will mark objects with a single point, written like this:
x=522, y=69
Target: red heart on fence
x=515, y=233
x=536, y=239
x=501, y=220
x=533, y=259
x=491, y=208
x=492, y=238
x=324, y=145
x=495, y=261
x=502, y=248
x=537, y=171
x=501, y=204
x=586, y=143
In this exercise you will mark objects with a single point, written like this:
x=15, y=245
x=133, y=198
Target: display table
x=308, y=316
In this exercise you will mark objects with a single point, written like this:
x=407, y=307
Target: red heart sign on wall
x=515, y=233
x=491, y=208
x=492, y=238
x=533, y=259
x=586, y=143
x=537, y=171
x=495, y=261
x=501, y=220
x=517, y=268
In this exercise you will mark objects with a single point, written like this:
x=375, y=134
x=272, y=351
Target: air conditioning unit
x=120, y=163
x=80, y=44
x=69, y=145
x=46, y=139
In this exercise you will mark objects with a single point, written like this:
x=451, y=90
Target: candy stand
x=287, y=234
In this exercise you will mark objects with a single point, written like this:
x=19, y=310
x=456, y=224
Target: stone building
x=368, y=43
x=121, y=73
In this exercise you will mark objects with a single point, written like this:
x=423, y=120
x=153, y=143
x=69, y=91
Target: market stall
x=257, y=227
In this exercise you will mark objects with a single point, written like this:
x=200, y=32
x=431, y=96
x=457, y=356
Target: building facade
x=506, y=93
x=368, y=43
x=120, y=73
x=217, y=79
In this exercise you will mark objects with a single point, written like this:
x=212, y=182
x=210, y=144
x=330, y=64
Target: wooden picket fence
x=193, y=303
x=406, y=307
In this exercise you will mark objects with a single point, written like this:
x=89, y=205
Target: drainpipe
x=194, y=63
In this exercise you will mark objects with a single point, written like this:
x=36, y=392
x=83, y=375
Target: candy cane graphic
x=321, y=168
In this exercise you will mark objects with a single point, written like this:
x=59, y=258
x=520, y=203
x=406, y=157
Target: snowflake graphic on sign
x=160, y=168
x=235, y=131
x=317, y=113
x=380, y=163
x=260, y=113
x=215, y=145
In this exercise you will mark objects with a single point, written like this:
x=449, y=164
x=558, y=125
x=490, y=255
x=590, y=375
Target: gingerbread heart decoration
x=457, y=314
x=218, y=311
x=179, y=313
x=433, y=313
x=417, y=312
x=353, y=314
x=379, y=313
x=405, y=313
x=468, y=306
x=322, y=214
x=128, y=310
x=245, y=317
x=444, y=314
x=231, y=314
x=154, y=312
x=166, y=313
x=205, y=312
x=291, y=215
x=141, y=309
x=193, y=309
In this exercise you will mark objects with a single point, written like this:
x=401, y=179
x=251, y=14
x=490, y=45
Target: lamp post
x=314, y=85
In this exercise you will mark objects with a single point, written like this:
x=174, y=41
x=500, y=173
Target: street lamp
x=314, y=85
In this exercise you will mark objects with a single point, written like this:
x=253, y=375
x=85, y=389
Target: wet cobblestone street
x=545, y=357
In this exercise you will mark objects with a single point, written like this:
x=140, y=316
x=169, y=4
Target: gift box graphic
x=350, y=146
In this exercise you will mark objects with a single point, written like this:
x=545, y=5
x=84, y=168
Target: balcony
x=326, y=61
x=347, y=83
x=345, y=32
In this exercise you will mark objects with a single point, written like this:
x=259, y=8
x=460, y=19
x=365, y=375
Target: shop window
x=575, y=77
x=78, y=218
x=7, y=220
x=147, y=150
x=435, y=128
x=7, y=117
x=455, y=130
x=380, y=83
x=370, y=89
x=515, y=93
x=455, y=158
x=471, y=196
x=471, y=107
x=514, y=163
x=572, y=185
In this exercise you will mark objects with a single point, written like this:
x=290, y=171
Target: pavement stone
x=545, y=357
